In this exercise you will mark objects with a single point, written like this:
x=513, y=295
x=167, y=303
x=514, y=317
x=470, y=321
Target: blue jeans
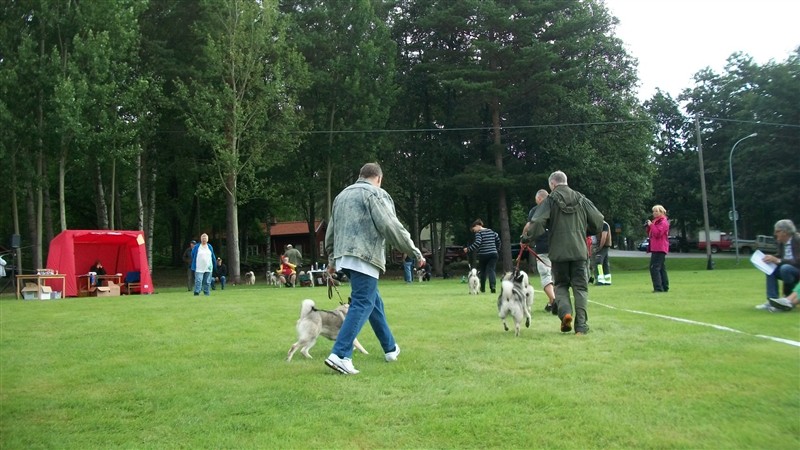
x=202, y=280
x=407, y=271
x=365, y=304
x=786, y=272
x=222, y=281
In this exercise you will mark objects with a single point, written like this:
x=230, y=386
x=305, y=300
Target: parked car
x=454, y=253
x=767, y=244
x=677, y=244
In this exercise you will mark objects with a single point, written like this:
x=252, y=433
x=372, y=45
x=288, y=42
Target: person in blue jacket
x=203, y=262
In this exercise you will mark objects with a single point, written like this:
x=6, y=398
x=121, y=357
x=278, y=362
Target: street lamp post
x=734, y=215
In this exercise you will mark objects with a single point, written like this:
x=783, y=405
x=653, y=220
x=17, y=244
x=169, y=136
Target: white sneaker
x=781, y=303
x=392, y=356
x=341, y=365
x=763, y=306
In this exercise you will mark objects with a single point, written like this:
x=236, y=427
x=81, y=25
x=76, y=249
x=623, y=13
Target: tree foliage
x=270, y=107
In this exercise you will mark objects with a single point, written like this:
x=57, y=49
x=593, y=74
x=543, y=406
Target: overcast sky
x=674, y=39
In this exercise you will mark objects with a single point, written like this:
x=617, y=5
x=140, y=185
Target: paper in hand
x=757, y=258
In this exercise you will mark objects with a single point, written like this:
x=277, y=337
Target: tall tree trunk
x=139, y=202
x=113, y=196
x=151, y=215
x=15, y=212
x=505, y=229
x=62, y=176
x=232, y=223
x=30, y=211
x=101, y=209
x=329, y=168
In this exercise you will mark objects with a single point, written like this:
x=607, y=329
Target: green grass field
x=695, y=368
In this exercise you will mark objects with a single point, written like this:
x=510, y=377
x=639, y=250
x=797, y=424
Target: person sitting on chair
x=98, y=270
x=287, y=272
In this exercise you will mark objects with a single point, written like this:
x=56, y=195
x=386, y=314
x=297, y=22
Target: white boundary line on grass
x=693, y=322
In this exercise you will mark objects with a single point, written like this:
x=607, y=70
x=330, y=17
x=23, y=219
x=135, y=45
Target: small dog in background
x=314, y=322
x=272, y=279
x=473, y=282
x=249, y=278
x=515, y=299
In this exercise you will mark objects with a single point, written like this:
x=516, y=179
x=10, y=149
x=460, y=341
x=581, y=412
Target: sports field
x=695, y=368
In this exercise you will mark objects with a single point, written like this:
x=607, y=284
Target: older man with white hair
x=787, y=261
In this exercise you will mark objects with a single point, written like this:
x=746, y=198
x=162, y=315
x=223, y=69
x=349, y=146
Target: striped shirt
x=487, y=242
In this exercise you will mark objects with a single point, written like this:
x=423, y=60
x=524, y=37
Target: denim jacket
x=363, y=219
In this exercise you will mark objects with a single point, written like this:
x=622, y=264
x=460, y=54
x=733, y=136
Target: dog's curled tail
x=307, y=307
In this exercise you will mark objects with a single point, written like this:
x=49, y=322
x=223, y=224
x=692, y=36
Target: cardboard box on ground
x=33, y=292
x=111, y=290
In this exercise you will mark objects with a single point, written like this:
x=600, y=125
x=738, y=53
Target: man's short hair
x=477, y=222
x=557, y=178
x=785, y=225
x=370, y=170
x=541, y=193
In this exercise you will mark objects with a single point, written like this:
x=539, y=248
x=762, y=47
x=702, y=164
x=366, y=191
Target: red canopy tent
x=73, y=252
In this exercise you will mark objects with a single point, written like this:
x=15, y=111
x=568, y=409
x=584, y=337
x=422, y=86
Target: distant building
x=296, y=233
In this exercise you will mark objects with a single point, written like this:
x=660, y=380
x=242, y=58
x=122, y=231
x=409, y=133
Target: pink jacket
x=658, y=233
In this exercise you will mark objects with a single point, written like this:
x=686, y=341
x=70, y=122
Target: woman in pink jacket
x=658, y=230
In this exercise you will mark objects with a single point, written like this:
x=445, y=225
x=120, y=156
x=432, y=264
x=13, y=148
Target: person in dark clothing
x=220, y=273
x=187, y=258
x=98, y=270
x=486, y=245
x=569, y=216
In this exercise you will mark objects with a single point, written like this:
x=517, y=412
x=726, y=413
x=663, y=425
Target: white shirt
x=203, y=263
x=359, y=265
x=787, y=250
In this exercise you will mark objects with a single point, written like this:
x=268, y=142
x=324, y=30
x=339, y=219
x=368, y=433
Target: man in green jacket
x=570, y=217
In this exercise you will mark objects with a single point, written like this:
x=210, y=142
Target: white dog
x=422, y=275
x=473, y=282
x=314, y=322
x=249, y=278
x=272, y=279
x=516, y=299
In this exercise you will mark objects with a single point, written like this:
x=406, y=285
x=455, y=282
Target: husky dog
x=314, y=322
x=249, y=278
x=516, y=299
x=473, y=282
x=272, y=279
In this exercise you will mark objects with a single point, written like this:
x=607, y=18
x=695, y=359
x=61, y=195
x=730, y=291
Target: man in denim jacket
x=362, y=220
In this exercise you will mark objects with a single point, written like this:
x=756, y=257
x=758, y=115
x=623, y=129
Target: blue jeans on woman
x=202, y=281
x=365, y=304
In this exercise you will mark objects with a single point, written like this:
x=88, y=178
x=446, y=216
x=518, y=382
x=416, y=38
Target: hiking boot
x=566, y=323
x=341, y=365
x=392, y=356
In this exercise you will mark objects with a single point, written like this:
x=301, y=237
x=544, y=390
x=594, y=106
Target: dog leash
x=332, y=287
x=527, y=247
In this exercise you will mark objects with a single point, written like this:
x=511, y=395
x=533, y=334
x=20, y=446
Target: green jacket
x=570, y=217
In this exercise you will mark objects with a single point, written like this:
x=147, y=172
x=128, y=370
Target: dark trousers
x=487, y=264
x=574, y=275
x=658, y=271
